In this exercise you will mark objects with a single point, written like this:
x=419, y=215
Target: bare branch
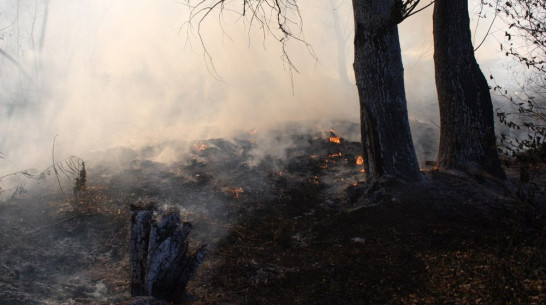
x=488, y=30
x=274, y=17
x=411, y=13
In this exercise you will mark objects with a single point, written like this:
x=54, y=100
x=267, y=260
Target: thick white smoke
x=118, y=73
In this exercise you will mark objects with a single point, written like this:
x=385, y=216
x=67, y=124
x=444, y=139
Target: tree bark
x=386, y=136
x=467, y=135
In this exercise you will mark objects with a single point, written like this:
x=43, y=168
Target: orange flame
x=335, y=139
x=359, y=160
x=200, y=147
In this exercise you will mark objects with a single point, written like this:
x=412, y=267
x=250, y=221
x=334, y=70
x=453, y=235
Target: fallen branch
x=57, y=223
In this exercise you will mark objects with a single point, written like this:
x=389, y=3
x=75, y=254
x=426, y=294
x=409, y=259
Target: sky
x=115, y=73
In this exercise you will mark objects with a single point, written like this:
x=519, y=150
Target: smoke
x=119, y=74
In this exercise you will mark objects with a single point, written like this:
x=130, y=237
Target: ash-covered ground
x=288, y=222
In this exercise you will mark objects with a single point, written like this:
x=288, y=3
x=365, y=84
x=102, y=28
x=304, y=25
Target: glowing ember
x=359, y=160
x=334, y=138
x=200, y=147
x=339, y=154
x=236, y=191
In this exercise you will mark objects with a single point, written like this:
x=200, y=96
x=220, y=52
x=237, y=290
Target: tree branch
x=16, y=63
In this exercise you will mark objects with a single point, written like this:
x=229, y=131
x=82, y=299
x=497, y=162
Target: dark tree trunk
x=160, y=263
x=467, y=135
x=386, y=136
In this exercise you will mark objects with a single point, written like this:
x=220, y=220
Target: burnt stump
x=161, y=265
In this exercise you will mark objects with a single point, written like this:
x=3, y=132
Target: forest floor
x=301, y=230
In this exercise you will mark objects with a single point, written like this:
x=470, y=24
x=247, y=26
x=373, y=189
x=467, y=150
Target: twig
x=488, y=30
x=411, y=13
x=54, y=224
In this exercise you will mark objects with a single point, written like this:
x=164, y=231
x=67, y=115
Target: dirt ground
x=297, y=230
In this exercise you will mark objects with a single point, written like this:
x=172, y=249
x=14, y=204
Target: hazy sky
x=125, y=73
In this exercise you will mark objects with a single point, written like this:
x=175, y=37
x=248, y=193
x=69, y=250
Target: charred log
x=160, y=264
x=141, y=223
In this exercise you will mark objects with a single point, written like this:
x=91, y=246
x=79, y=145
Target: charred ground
x=300, y=229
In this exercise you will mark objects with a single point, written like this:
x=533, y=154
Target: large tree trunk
x=467, y=136
x=386, y=136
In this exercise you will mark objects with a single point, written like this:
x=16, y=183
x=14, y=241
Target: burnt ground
x=293, y=230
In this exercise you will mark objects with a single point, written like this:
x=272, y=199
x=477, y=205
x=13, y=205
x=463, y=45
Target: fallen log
x=161, y=266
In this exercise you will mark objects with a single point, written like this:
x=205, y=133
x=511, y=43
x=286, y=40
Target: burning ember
x=333, y=138
x=336, y=155
x=200, y=147
x=359, y=160
x=336, y=140
x=236, y=191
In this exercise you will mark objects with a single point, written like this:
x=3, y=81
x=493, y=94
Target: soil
x=302, y=229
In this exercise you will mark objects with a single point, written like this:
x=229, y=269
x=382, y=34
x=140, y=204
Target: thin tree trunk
x=467, y=135
x=386, y=136
x=341, y=43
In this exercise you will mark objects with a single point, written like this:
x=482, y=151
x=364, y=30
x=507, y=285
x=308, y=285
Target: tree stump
x=160, y=263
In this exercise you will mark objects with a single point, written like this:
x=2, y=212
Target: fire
x=236, y=191
x=200, y=147
x=339, y=154
x=333, y=138
x=359, y=160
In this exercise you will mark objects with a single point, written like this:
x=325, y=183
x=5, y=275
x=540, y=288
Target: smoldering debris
x=78, y=247
x=75, y=249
